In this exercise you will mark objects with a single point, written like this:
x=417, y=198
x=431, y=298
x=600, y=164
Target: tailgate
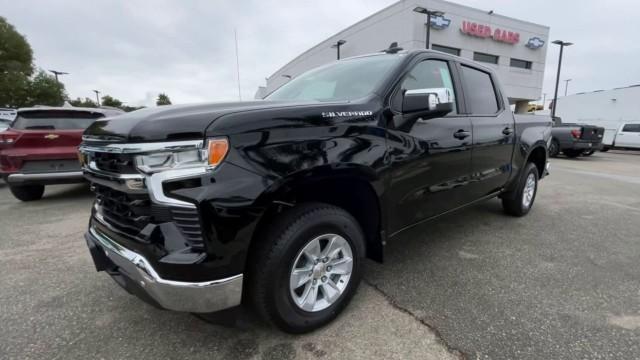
x=592, y=133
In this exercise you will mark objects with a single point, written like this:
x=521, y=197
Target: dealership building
x=516, y=49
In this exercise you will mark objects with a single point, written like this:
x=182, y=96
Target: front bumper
x=67, y=177
x=134, y=272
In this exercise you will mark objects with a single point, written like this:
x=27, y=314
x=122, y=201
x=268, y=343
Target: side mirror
x=425, y=104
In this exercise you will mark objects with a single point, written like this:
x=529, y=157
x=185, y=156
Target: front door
x=629, y=136
x=430, y=164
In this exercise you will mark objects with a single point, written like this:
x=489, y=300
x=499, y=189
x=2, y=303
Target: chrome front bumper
x=196, y=297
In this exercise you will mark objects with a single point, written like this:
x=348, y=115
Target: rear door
x=431, y=162
x=628, y=136
x=493, y=131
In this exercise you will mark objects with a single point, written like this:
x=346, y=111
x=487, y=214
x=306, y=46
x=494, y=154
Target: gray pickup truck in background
x=574, y=140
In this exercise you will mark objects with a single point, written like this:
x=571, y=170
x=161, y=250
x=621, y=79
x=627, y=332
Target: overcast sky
x=133, y=50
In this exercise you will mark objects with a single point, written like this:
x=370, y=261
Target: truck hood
x=173, y=122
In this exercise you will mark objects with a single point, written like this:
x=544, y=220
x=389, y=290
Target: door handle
x=507, y=131
x=461, y=134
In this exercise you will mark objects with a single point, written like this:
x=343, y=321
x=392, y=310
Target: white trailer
x=607, y=108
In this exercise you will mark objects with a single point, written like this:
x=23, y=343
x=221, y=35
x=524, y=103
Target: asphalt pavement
x=562, y=282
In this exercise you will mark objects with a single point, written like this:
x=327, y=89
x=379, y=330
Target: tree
x=163, y=99
x=45, y=90
x=17, y=86
x=83, y=103
x=16, y=66
x=111, y=101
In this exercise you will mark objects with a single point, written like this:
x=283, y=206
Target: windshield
x=55, y=120
x=343, y=80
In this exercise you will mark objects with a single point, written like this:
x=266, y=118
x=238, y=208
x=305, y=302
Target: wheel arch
x=353, y=188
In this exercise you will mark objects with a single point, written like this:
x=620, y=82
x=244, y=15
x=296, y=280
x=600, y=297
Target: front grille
x=115, y=163
x=188, y=221
x=128, y=213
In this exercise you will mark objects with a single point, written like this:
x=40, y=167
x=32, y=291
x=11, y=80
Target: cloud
x=134, y=50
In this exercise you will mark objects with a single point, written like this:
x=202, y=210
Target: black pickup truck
x=276, y=203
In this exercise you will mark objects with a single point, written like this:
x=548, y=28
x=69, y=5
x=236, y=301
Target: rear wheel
x=308, y=267
x=520, y=202
x=554, y=148
x=27, y=192
x=588, y=152
x=605, y=149
x=572, y=153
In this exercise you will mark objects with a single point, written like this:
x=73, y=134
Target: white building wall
x=399, y=23
x=609, y=109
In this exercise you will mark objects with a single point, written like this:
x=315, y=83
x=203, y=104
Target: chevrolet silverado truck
x=574, y=140
x=40, y=148
x=276, y=203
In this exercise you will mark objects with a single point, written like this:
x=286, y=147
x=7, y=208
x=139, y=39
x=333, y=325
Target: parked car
x=628, y=136
x=41, y=148
x=4, y=124
x=574, y=140
x=277, y=202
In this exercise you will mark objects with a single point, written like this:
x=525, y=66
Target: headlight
x=211, y=156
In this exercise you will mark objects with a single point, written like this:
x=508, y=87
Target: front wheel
x=27, y=192
x=520, y=202
x=307, y=268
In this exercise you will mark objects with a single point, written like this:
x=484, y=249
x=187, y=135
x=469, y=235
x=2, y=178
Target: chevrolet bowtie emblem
x=51, y=136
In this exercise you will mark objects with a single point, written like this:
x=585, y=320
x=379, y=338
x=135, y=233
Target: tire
x=514, y=204
x=572, y=153
x=605, y=149
x=281, y=251
x=588, y=153
x=27, y=192
x=554, y=148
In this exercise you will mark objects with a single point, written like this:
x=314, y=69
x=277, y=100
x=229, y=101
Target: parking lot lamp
x=337, y=46
x=57, y=73
x=429, y=13
x=562, y=44
x=97, y=97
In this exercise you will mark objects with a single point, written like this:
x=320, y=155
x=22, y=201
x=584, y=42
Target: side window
x=430, y=74
x=631, y=128
x=481, y=95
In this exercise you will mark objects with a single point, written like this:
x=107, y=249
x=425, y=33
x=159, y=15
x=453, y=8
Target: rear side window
x=55, y=120
x=631, y=128
x=480, y=94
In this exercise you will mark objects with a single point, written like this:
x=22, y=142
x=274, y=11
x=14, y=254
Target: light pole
x=555, y=93
x=97, y=97
x=429, y=13
x=566, y=86
x=337, y=46
x=56, y=73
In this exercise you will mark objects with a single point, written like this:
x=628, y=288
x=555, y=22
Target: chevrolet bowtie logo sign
x=534, y=43
x=440, y=22
x=51, y=136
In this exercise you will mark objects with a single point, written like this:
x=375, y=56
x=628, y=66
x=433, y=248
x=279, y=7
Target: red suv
x=40, y=148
